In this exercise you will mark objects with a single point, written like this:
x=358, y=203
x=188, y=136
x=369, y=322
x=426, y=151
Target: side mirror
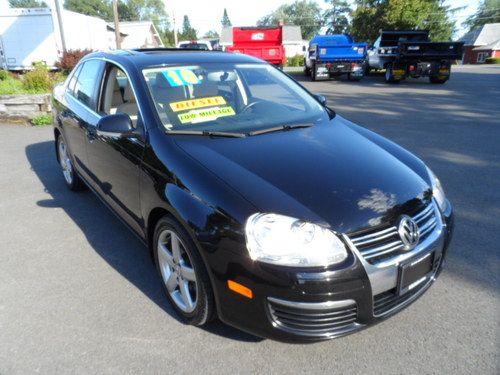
x=321, y=99
x=118, y=125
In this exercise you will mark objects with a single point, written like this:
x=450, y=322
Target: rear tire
x=182, y=271
x=313, y=72
x=437, y=80
x=71, y=177
x=350, y=77
x=389, y=75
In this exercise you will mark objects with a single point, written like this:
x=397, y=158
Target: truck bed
x=271, y=54
x=430, y=50
x=354, y=51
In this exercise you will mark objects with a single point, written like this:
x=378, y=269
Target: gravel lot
x=79, y=294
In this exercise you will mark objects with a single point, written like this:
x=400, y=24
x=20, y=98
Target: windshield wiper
x=207, y=133
x=279, y=129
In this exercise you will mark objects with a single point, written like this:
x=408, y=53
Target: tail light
x=412, y=68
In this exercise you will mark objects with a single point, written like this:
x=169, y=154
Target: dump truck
x=266, y=43
x=410, y=53
x=334, y=55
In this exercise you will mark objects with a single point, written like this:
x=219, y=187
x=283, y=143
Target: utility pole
x=175, y=30
x=59, y=21
x=117, y=25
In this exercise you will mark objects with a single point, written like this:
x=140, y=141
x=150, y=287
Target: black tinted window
x=85, y=88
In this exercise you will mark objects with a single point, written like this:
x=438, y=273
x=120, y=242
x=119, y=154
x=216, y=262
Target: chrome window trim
x=93, y=112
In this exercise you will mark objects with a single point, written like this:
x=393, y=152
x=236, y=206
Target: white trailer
x=32, y=35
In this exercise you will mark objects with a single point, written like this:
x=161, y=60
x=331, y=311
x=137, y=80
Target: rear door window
x=88, y=82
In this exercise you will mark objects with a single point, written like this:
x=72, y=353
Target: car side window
x=118, y=95
x=86, y=84
x=73, y=79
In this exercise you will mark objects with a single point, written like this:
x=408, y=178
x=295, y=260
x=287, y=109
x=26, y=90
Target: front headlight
x=285, y=241
x=437, y=191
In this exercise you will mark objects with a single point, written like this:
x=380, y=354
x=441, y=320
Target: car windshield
x=230, y=98
x=194, y=46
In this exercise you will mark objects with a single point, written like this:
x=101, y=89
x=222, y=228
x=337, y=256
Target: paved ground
x=78, y=294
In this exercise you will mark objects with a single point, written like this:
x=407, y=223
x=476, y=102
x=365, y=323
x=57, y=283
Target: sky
x=206, y=15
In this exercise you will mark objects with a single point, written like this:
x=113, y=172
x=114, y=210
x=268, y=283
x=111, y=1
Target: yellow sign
x=197, y=103
x=202, y=115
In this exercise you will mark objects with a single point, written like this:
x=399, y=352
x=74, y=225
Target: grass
x=41, y=120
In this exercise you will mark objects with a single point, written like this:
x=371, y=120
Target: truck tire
x=436, y=79
x=389, y=76
x=313, y=72
x=307, y=71
x=350, y=77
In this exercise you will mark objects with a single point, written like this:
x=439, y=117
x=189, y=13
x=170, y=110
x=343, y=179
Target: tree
x=188, y=32
x=336, y=16
x=27, y=4
x=95, y=8
x=226, y=22
x=211, y=34
x=303, y=13
x=487, y=12
x=372, y=15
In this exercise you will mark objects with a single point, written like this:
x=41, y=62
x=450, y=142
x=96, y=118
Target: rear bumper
x=301, y=305
x=326, y=68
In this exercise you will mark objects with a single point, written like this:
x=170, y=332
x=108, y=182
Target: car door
x=373, y=56
x=80, y=104
x=115, y=161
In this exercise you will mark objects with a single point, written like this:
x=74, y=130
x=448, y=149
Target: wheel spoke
x=171, y=283
x=165, y=255
x=188, y=273
x=185, y=294
x=176, y=248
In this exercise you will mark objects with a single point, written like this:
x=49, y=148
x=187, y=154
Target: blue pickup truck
x=333, y=55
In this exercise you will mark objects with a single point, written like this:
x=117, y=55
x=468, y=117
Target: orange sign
x=197, y=103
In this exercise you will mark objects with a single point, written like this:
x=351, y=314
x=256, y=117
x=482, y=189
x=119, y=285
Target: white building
x=31, y=35
x=140, y=34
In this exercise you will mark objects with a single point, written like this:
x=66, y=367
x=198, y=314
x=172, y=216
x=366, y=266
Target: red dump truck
x=266, y=43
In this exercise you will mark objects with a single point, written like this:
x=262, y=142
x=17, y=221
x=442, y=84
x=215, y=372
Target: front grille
x=314, y=319
x=386, y=301
x=382, y=244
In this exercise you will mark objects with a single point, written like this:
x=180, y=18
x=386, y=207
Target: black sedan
x=260, y=205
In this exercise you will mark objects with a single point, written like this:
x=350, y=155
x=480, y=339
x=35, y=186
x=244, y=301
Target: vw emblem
x=409, y=232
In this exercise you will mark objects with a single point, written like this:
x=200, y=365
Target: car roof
x=143, y=58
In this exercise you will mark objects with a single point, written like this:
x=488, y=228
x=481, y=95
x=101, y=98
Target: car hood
x=328, y=174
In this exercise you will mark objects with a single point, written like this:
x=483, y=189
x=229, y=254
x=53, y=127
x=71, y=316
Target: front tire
x=313, y=72
x=183, y=274
x=73, y=181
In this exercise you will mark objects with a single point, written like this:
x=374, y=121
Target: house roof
x=482, y=35
x=137, y=33
x=495, y=46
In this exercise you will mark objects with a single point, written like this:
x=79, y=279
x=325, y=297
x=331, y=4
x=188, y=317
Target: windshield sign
x=241, y=98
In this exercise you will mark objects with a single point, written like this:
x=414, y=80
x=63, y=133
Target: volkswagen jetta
x=260, y=205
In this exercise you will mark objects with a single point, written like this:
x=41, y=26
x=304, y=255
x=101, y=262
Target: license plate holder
x=414, y=272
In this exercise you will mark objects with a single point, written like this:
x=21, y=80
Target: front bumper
x=303, y=305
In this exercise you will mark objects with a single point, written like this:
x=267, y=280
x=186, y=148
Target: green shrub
x=11, y=86
x=44, y=119
x=38, y=80
x=492, y=60
x=297, y=60
x=3, y=75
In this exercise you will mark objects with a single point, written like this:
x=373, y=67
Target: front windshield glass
x=233, y=98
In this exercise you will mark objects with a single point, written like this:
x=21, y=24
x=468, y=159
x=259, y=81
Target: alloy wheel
x=65, y=162
x=177, y=271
